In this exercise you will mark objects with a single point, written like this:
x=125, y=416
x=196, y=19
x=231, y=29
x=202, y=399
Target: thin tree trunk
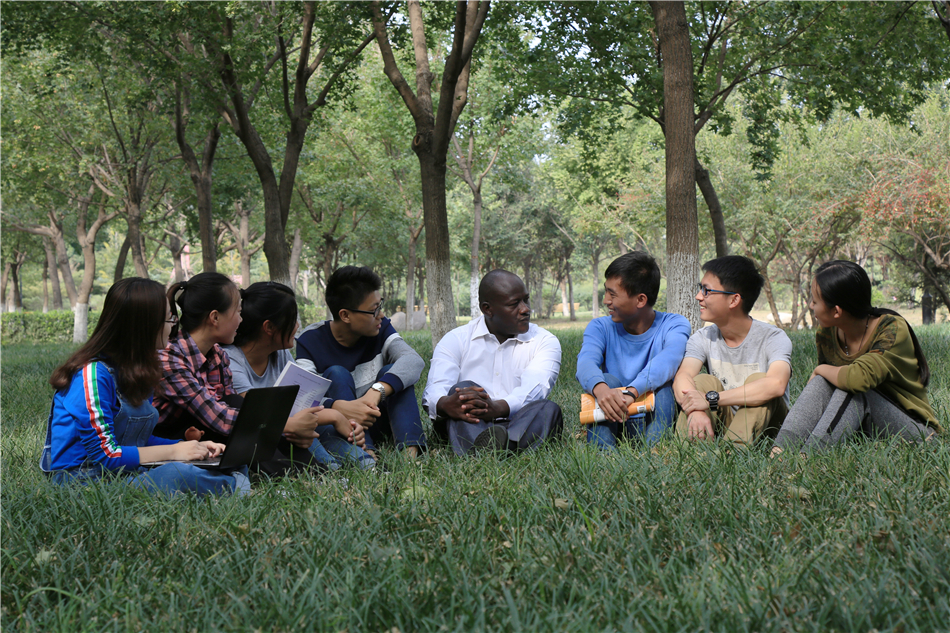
x=476, y=240
x=121, y=259
x=565, y=310
x=16, y=295
x=62, y=261
x=767, y=287
x=715, y=209
x=682, y=237
x=3, y=287
x=570, y=293
x=134, y=220
x=295, y=252
x=595, y=284
x=45, y=286
x=411, y=283
x=54, y=274
x=539, y=297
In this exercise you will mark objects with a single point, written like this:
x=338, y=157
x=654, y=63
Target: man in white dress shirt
x=489, y=379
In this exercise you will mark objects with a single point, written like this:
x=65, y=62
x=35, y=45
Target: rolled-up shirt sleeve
x=444, y=371
x=539, y=376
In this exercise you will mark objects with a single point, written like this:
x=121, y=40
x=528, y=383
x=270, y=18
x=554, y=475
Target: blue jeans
x=400, y=417
x=333, y=450
x=649, y=427
x=168, y=479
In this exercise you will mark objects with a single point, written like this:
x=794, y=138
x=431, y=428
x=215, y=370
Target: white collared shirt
x=520, y=370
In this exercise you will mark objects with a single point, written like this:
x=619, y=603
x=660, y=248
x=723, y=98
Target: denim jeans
x=333, y=450
x=168, y=479
x=400, y=417
x=648, y=427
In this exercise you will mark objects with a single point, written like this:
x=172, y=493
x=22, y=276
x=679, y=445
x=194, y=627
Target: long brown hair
x=133, y=315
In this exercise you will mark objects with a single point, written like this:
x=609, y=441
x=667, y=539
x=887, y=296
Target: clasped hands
x=614, y=402
x=698, y=423
x=472, y=404
x=301, y=427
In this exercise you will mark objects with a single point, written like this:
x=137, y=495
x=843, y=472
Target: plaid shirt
x=194, y=384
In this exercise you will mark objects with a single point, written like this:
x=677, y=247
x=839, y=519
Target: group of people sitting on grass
x=163, y=375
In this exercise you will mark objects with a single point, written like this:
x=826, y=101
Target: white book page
x=312, y=387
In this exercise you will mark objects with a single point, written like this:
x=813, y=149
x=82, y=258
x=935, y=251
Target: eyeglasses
x=375, y=312
x=705, y=291
x=173, y=320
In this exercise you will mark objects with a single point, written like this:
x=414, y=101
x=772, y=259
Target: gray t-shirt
x=762, y=346
x=246, y=378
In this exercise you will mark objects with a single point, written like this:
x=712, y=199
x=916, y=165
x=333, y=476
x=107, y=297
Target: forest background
x=436, y=142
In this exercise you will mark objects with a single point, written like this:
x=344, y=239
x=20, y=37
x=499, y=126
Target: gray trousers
x=527, y=428
x=823, y=416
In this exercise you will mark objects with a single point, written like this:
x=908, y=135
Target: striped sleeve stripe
x=96, y=415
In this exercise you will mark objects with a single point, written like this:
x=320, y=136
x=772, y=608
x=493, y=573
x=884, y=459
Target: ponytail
x=198, y=297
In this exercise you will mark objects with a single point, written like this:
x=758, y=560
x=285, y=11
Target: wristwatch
x=381, y=388
x=712, y=397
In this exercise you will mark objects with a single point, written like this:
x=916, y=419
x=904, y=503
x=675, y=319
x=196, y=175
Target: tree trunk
x=54, y=274
x=62, y=261
x=121, y=259
x=306, y=284
x=595, y=284
x=438, y=255
x=411, y=282
x=565, y=310
x=295, y=252
x=16, y=296
x=715, y=209
x=3, y=286
x=539, y=296
x=476, y=241
x=570, y=293
x=45, y=286
x=134, y=220
x=176, y=251
x=682, y=231
x=767, y=287
x=81, y=323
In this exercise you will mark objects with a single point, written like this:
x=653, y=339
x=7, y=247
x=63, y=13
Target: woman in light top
x=102, y=416
x=261, y=350
x=871, y=377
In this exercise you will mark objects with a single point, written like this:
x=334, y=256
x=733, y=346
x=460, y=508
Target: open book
x=312, y=386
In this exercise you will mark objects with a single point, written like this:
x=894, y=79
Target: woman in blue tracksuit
x=102, y=416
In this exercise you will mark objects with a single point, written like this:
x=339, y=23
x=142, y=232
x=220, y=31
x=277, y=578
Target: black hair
x=638, y=273
x=348, y=286
x=266, y=301
x=847, y=285
x=738, y=274
x=133, y=315
x=200, y=296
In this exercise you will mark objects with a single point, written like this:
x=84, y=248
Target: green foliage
x=38, y=327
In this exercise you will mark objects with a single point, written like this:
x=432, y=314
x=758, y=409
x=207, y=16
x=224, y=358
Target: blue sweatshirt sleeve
x=660, y=369
x=92, y=402
x=590, y=360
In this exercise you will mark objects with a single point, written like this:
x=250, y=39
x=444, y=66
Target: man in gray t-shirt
x=745, y=394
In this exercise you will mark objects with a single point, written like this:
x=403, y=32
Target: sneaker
x=494, y=438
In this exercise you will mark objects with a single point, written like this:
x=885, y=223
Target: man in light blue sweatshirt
x=634, y=347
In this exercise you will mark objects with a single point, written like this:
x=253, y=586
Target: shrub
x=39, y=327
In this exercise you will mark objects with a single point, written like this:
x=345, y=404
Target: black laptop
x=257, y=430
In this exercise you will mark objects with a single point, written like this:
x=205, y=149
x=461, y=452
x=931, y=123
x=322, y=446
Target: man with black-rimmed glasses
x=745, y=394
x=372, y=368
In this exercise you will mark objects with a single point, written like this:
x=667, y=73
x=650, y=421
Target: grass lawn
x=675, y=539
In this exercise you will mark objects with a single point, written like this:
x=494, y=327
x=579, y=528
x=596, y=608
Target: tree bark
x=3, y=286
x=201, y=173
x=133, y=217
x=476, y=239
x=434, y=129
x=54, y=274
x=715, y=209
x=45, y=275
x=682, y=231
x=87, y=242
x=570, y=292
x=295, y=252
x=15, y=303
x=121, y=259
